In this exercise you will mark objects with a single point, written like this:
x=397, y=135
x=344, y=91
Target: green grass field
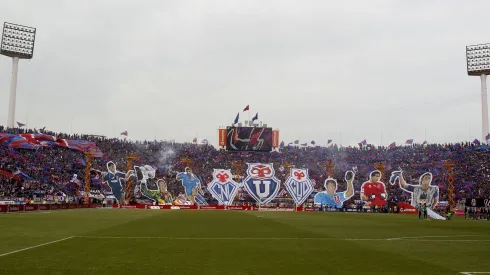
x=119, y=241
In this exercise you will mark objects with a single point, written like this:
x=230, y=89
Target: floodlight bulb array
x=478, y=58
x=18, y=40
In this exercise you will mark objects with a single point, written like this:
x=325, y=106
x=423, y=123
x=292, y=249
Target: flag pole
x=248, y=112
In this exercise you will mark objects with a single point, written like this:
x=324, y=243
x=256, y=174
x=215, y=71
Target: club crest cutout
x=223, y=188
x=260, y=183
x=299, y=185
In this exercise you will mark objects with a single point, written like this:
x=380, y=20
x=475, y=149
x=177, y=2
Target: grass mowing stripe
x=31, y=247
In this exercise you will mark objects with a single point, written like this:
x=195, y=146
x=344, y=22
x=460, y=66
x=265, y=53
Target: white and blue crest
x=299, y=185
x=223, y=188
x=261, y=183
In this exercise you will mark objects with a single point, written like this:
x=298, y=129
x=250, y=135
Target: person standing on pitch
x=419, y=207
x=425, y=211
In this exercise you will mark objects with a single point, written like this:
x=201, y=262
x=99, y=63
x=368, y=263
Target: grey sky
x=312, y=69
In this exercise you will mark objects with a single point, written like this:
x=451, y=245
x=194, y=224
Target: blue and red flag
x=409, y=141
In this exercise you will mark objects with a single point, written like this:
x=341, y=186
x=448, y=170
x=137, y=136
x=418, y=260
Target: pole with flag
x=245, y=110
x=125, y=133
x=255, y=117
x=237, y=118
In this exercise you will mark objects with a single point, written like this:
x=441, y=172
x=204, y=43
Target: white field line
x=31, y=247
x=421, y=238
x=471, y=273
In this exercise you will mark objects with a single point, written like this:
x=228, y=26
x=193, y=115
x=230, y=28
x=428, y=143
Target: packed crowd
x=59, y=171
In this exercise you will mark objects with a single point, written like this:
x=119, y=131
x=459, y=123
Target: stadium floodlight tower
x=18, y=43
x=478, y=64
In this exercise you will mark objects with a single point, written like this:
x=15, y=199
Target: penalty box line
x=35, y=246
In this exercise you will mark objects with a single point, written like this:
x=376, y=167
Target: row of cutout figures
x=262, y=185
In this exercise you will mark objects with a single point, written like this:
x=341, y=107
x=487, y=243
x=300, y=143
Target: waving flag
x=296, y=141
x=393, y=144
x=409, y=141
x=35, y=141
x=246, y=108
x=125, y=133
x=313, y=142
x=255, y=117
x=487, y=138
x=22, y=175
x=281, y=145
x=476, y=141
x=236, y=118
x=329, y=141
x=21, y=124
x=364, y=142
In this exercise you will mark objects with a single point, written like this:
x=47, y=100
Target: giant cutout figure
x=423, y=193
x=373, y=191
x=333, y=198
x=192, y=186
x=150, y=187
x=115, y=180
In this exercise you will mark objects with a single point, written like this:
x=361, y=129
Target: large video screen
x=249, y=139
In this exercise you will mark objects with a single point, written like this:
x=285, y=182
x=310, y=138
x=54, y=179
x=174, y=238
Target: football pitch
x=121, y=241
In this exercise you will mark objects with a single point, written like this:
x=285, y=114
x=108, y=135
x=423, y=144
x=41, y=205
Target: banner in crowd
x=260, y=183
x=223, y=188
x=333, y=198
x=35, y=141
x=299, y=185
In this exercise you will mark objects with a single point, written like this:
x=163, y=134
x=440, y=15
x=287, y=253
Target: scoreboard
x=258, y=139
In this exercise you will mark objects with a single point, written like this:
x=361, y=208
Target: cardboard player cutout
x=373, y=191
x=150, y=187
x=333, y=198
x=260, y=183
x=223, y=188
x=422, y=193
x=114, y=182
x=192, y=186
x=299, y=185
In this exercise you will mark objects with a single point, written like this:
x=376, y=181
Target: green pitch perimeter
x=118, y=241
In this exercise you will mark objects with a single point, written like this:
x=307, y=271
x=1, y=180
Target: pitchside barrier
x=43, y=207
x=403, y=208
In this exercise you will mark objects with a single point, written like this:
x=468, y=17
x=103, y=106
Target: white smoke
x=165, y=158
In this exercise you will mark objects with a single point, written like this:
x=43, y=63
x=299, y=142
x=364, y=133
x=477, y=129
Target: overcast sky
x=312, y=69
